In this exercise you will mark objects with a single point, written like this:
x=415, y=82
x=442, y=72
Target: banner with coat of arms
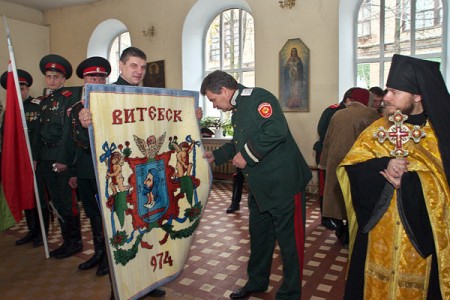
x=153, y=182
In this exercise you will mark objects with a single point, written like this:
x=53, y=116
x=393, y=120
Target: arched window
x=121, y=42
x=229, y=46
x=388, y=27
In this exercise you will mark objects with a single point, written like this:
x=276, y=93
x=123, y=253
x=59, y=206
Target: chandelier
x=287, y=3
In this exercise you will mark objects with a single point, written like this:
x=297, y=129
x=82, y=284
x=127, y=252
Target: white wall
x=30, y=43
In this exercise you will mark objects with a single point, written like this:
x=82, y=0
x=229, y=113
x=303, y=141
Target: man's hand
x=394, y=171
x=239, y=161
x=73, y=182
x=209, y=156
x=58, y=167
x=199, y=113
x=85, y=117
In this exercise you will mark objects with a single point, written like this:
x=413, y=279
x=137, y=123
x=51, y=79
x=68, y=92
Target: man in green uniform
x=77, y=155
x=32, y=112
x=48, y=142
x=277, y=175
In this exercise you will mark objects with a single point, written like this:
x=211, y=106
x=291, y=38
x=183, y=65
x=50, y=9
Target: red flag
x=17, y=173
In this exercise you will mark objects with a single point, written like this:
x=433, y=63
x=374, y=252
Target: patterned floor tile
x=215, y=267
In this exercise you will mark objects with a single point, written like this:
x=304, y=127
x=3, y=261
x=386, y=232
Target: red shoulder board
x=335, y=105
x=265, y=110
x=66, y=93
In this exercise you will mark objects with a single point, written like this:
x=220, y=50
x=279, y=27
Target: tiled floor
x=215, y=267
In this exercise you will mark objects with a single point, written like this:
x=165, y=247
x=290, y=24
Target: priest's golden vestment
x=389, y=251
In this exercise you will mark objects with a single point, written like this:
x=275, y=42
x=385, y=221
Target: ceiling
x=49, y=4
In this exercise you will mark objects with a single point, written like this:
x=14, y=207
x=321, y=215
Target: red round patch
x=265, y=110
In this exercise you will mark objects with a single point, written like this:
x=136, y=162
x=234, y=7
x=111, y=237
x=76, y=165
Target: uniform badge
x=36, y=101
x=246, y=92
x=335, y=105
x=265, y=110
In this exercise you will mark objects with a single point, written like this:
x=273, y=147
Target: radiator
x=224, y=171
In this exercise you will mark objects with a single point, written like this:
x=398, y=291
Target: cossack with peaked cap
x=94, y=66
x=24, y=78
x=54, y=62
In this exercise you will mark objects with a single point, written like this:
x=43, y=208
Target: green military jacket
x=76, y=152
x=324, y=121
x=276, y=169
x=32, y=115
x=48, y=139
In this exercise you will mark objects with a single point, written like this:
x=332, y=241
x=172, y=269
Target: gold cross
x=399, y=134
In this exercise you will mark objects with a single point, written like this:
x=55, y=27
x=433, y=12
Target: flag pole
x=25, y=131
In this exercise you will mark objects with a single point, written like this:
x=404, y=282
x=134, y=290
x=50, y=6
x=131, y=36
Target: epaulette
x=36, y=101
x=66, y=93
x=335, y=105
x=246, y=92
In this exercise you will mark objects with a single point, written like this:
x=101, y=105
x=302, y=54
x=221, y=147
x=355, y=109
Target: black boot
x=64, y=225
x=103, y=267
x=75, y=243
x=238, y=183
x=342, y=232
x=33, y=227
x=99, y=245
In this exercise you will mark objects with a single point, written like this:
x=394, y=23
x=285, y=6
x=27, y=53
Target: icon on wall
x=294, y=76
x=155, y=75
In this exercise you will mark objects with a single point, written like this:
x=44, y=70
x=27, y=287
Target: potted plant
x=219, y=127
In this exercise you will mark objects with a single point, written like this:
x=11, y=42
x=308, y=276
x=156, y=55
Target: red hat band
x=94, y=70
x=23, y=81
x=55, y=67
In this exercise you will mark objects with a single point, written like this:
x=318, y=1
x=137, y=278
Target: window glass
x=229, y=46
x=388, y=27
x=121, y=42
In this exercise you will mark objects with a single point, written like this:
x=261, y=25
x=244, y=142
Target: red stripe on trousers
x=299, y=231
x=75, y=211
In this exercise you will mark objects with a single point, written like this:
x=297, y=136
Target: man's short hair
x=216, y=80
x=377, y=91
x=347, y=94
x=132, y=52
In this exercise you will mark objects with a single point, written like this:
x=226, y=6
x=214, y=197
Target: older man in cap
x=49, y=142
x=77, y=155
x=32, y=113
x=343, y=130
x=397, y=191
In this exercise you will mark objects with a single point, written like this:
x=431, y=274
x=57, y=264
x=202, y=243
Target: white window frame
x=348, y=17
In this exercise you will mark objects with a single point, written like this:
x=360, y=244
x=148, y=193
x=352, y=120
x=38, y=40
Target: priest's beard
x=407, y=110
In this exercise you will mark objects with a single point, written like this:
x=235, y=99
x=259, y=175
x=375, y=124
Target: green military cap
x=24, y=78
x=54, y=62
x=94, y=66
